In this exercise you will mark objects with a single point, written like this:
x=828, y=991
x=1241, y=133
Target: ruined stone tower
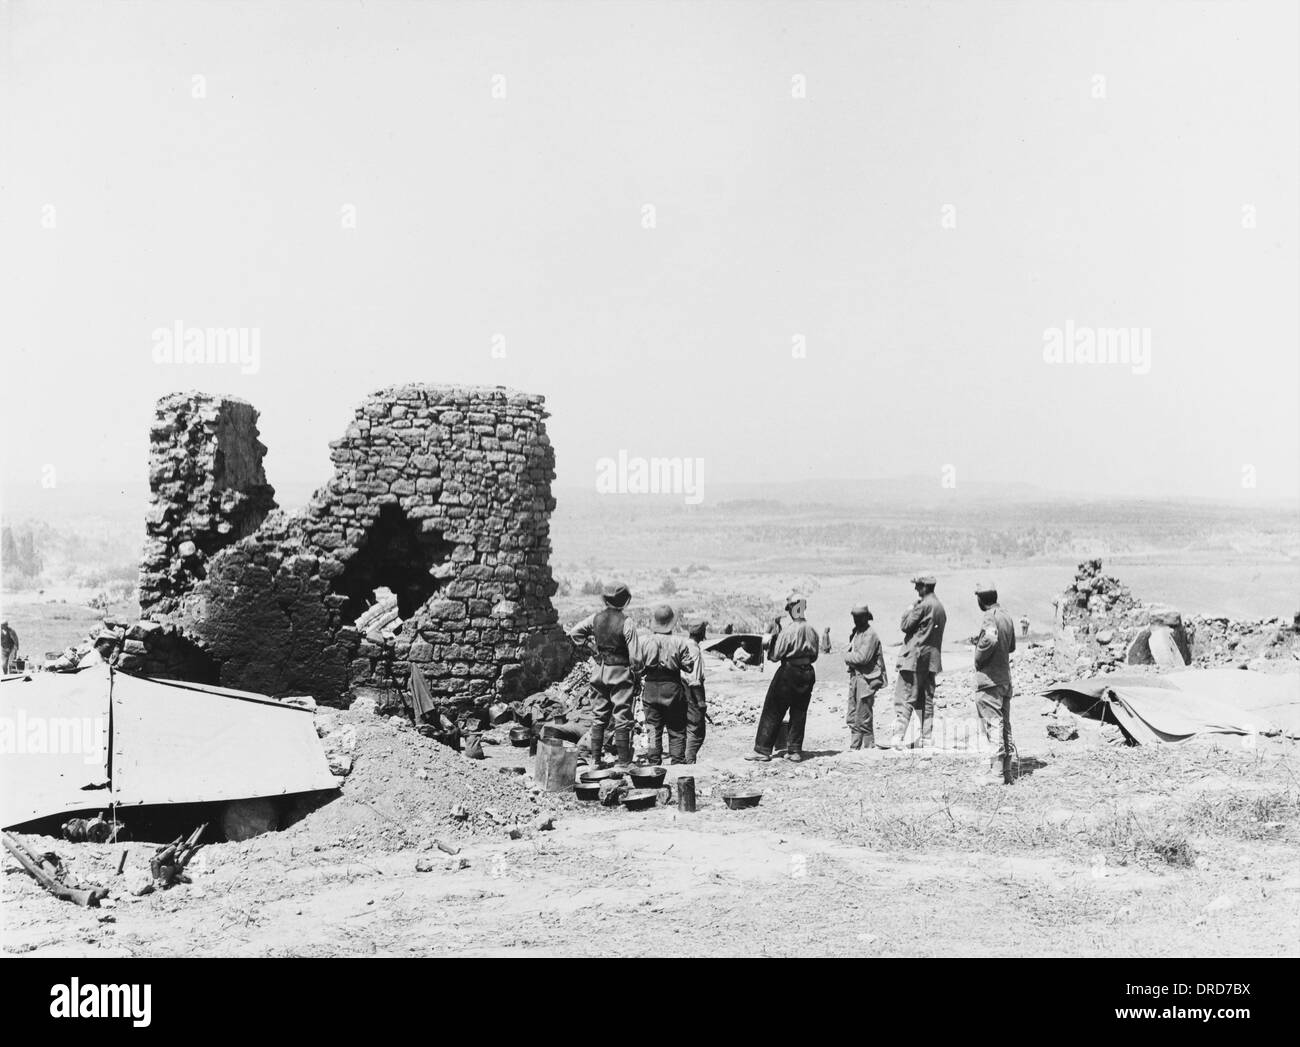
x=440, y=496
x=209, y=490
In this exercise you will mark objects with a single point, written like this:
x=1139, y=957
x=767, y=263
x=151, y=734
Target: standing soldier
x=919, y=660
x=866, y=661
x=795, y=646
x=993, y=646
x=697, y=709
x=8, y=647
x=661, y=660
x=1024, y=625
x=613, y=636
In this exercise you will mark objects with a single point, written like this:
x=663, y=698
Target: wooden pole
x=79, y=895
x=1006, y=741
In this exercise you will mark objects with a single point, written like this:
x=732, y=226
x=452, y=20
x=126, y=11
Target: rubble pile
x=440, y=495
x=1244, y=642
x=1093, y=598
x=1102, y=627
x=130, y=646
x=209, y=490
x=570, y=699
x=400, y=790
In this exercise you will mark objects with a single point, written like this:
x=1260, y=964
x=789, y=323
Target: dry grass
x=1156, y=806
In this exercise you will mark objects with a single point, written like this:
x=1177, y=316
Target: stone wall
x=209, y=490
x=441, y=495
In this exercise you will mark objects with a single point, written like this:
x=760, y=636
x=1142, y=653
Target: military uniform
x=660, y=661
x=866, y=662
x=919, y=660
x=993, y=645
x=614, y=638
x=796, y=648
x=9, y=642
x=697, y=709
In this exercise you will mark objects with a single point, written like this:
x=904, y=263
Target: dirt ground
x=1098, y=849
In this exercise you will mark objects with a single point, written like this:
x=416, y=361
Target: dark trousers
x=664, y=702
x=696, y=720
x=789, y=692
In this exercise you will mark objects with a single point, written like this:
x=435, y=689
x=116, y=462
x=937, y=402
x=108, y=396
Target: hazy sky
x=955, y=180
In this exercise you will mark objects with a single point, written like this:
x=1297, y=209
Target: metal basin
x=647, y=777
x=739, y=799
x=639, y=799
x=600, y=776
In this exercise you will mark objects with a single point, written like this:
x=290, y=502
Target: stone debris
x=1102, y=627
x=1063, y=730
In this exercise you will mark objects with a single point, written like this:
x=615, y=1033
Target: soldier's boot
x=623, y=743
x=989, y=772
x=654, y=750
x=597, y=745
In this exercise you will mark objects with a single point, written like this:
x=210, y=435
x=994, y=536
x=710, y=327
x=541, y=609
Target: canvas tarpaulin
x=1176, y=706
x=170, y=743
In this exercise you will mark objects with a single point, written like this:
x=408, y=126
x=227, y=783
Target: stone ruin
x=209, y=489
x=440, y=502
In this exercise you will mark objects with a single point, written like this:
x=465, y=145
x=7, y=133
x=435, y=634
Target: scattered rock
x=137, y=881
x=1063, y=730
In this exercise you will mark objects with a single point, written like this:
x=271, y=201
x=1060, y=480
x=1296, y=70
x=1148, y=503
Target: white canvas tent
x=95, y=738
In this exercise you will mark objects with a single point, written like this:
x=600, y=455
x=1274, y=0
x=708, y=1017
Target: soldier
x=661, y=661
x=614, y=638
x=919, y=660
x=866, y=661
x=697, y=710
x=1024, y=625
x=795, y=646
x=8, y=647
x=993, y=646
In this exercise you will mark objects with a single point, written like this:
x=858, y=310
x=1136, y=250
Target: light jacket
x=663, y=653
x=866, y=661
x=796, y=640
x=694, y=677
x=993, y=645
x=923, y=635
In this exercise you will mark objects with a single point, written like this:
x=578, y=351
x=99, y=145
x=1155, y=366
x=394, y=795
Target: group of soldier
x=669, y=669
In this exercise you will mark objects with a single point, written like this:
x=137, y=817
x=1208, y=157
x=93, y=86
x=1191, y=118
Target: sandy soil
x=1098, y=849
